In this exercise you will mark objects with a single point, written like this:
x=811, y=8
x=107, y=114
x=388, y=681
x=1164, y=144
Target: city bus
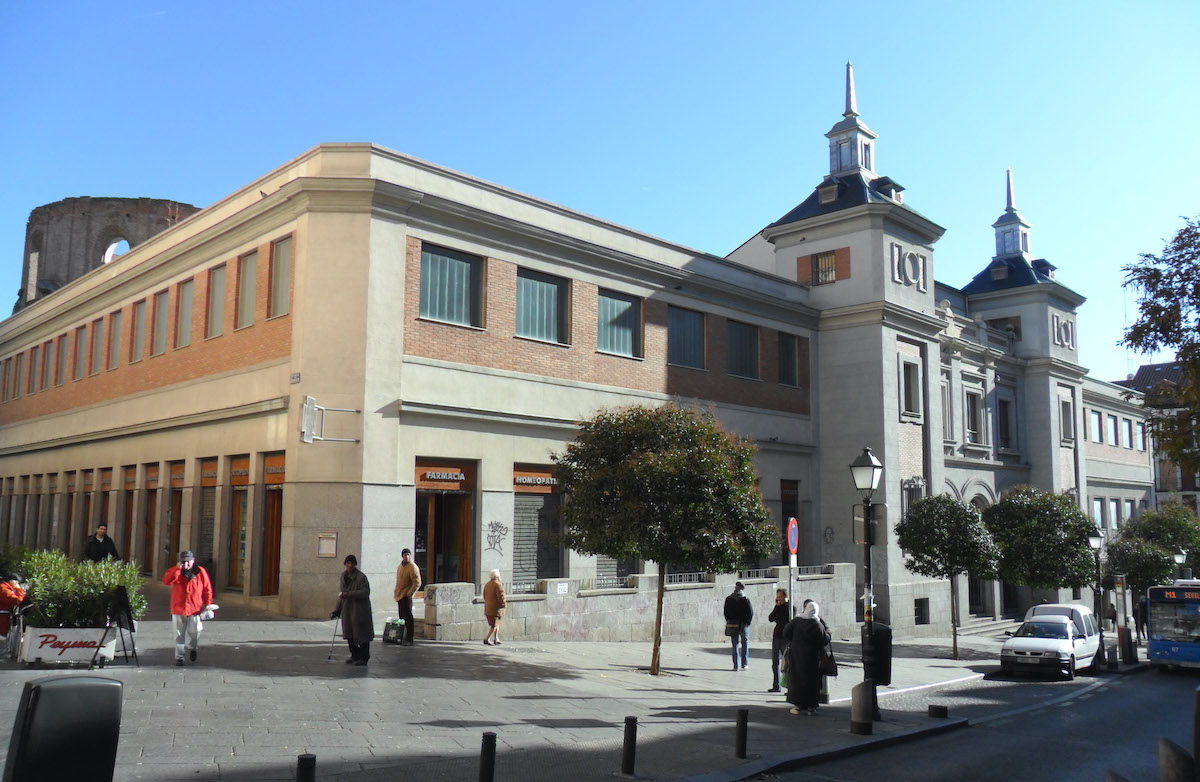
x=1173, y=625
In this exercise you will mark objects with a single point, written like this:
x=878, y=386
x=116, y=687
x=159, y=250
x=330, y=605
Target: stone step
x=986, y=625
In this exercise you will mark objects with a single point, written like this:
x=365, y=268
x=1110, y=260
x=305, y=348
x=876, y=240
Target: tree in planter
x=664, y=484
x=1043, y=539
x=1143, y=563
x=1171, y=528
x=943, y=538
x=63, y=593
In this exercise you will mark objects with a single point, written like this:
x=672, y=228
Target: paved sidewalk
x=263, y=691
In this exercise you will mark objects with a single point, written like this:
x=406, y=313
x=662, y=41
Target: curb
x=775, y=763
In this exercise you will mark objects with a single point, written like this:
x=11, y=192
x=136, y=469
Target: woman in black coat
x=354, y=607
x=806, y=637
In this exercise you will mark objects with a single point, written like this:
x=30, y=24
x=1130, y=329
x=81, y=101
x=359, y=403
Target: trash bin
x=877, y=661
x=66, y=728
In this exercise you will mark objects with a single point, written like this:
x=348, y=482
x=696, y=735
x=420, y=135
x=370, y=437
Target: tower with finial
x=1012, y=232
x=851, y=142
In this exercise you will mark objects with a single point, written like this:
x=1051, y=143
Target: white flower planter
x=67, y=644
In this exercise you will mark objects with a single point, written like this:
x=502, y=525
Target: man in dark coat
x=738, y=611
x=354, y=607
x=100, y=546
x=806, y=637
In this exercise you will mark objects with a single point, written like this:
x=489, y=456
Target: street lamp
x=1095, y=540
x=1180, y=557
x=866, y=471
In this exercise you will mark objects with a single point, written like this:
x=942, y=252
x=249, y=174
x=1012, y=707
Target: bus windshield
x=1177, y=622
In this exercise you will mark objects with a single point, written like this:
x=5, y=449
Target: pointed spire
x=851, y=102
x=1012, y=232
x=1010, y=207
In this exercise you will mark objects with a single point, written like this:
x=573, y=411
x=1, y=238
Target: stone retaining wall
x=561, y=611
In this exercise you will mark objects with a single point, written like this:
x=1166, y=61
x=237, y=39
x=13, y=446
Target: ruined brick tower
x=69, y=238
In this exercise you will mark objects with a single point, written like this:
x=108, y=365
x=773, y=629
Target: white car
x=1050, y=641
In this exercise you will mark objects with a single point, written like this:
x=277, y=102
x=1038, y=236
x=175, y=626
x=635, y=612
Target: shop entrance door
x=148, y=531
x=174, y=521
x=442, y=540
x=239, y=517
x=272, y=537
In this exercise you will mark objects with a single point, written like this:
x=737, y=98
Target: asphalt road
x=1036, y=731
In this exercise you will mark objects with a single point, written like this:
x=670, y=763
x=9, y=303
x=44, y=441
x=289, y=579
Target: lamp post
x=1095, y=540
x=866, y=471
x=1180, y=557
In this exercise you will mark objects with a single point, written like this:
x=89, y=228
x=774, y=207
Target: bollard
x=823, y=695
x=739, y=742
x=861, y=708
x=1196, y=723
x=1174, y=762
x=1128, y=650
x=629, y=751
x=940, y=712
x=306, y=767
x=487, y=757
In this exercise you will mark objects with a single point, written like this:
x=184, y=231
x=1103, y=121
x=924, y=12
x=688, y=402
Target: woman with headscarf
x=806, y=637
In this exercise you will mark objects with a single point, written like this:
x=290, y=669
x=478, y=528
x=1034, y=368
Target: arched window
x=118, y=246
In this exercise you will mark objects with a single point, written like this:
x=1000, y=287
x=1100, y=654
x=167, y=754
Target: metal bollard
x=487, y=757
x=630, y=749
x=306, y=767
x=739, y=742
x=1174, y=762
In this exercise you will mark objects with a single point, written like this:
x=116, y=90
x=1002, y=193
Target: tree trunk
x=656, y=654
x=954, y=613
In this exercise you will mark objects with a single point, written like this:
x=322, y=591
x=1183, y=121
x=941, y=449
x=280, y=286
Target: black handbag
x=732, y=629
x=827, y=664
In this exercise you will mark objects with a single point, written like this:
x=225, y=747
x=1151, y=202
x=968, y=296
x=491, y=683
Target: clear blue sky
x=699, y=122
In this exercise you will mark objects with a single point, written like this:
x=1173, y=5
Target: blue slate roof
x=1020, y=274
x=853, y=190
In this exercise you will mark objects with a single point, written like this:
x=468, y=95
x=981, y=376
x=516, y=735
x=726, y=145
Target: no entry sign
x=793, y=535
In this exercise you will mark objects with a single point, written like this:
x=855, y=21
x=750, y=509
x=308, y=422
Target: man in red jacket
x=191, y=594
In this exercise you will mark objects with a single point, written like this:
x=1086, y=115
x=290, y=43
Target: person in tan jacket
x=493, y=607
x=408, y=581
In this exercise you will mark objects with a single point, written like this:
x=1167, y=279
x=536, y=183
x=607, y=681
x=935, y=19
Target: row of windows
x=1107, y=511
x=453, y=288
x=47, y=363
x=1125, y=434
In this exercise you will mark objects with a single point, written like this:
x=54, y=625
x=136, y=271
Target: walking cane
x=333, y=640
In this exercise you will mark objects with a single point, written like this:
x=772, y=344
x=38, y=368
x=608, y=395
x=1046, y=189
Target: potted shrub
x=69, y=606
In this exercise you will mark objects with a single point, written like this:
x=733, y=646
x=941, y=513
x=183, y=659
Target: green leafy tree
x=1143, y=563
x=1169, y=317
x=942, y=537
x=1171, y=528
x=1043, y=539
x=665, y=484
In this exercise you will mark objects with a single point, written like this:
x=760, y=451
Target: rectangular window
x=97, y=346
x=618, y=324
x=543, y=307
x=5, y=371
x=159, y=339
x=47, y=363
x=60, y=370
x=1066, y=419
x=789, y=361
x=974, y=417
x=1141, y=436
x=824, y=268
x=1112, y=430
x=742, y=353
x=215, y=320
x=947, y=411
x=1004, y=423
x=1095, y=425
x=247, y=276
x=137, y=342
x=910, y=388
x=685, y=338
x=1098, y=511
x=1130, y=509
x=280, y=294
x=1114, y=512
x=18, y=374
x=183, y=314
x=80, y=351
x=114, y=339
x=451, y=286
x=34, y=354
x=1126, y=433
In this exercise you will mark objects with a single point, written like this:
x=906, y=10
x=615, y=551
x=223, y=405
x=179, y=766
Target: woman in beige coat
x=493, y=607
